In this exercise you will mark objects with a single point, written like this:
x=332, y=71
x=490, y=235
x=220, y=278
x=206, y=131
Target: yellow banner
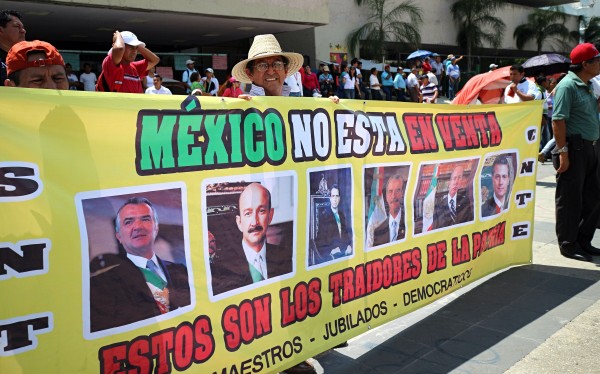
x=145, y=234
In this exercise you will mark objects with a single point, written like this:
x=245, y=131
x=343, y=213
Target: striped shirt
x=428, y=91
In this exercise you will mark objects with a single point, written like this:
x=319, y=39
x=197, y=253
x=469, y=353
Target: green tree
x=477, y=24
x=400, y=24
x=542, y=26
x=591, y=34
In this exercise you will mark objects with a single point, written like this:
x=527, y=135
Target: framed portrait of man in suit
x=135, y=257
x=496, y=183
x=249, y=237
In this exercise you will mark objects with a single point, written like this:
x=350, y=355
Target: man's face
x=455, y=180
x=137, y=229
x=500, y=180
x=255, y=215
x=49, y=77
x=270, y=79
x=393, y=195
x=334, y=198
x=307, y=69
x=515, y=76
x=87, y=68
x=13, y=33
x=190, y=66
x=593, y=66
x=157, y=82
x=130, y=53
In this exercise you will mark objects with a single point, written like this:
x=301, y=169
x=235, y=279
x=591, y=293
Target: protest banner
x=277, y=227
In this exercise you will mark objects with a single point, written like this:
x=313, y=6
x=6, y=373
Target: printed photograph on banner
x=497, y=178
x=330, y=215
x=250, y=230
x=444, y=196
x=136, y=257
x=385, y=204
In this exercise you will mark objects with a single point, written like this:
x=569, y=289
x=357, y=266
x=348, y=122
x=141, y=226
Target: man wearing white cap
x=187, y=74
x=120, y=71
x=493, y=67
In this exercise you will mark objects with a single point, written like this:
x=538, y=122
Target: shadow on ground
x=493, y=325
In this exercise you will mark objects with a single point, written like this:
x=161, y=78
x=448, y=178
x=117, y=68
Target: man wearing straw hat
x=267, y=67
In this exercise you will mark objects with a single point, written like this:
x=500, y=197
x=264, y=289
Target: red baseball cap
x=17, y=56
x=583, y=52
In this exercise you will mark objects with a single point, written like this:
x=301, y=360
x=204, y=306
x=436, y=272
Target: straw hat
x=266, y=46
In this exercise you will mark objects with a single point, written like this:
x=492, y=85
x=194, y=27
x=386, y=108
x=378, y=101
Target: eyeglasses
x=276, y=65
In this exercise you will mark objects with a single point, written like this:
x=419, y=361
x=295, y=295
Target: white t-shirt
x=412, y=81
x=161, y=91
x=350, y=82
x=373, y=80
x=527, y=87
x=294, y=82
x=89, y=81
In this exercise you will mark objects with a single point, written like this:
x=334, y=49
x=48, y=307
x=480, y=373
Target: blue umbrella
x=419, y=53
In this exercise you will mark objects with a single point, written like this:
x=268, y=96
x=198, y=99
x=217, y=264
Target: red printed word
x=469, y=130
x=488, y=239
x=306, y=302
x=421, y=136
x=246, y=322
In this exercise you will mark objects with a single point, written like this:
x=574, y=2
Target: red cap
x=17, y=56
x=583, y=52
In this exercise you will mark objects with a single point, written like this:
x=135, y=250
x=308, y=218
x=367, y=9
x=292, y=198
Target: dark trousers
x=577, y=195
x=401, y=94
x=376, y=94
x=388, y=92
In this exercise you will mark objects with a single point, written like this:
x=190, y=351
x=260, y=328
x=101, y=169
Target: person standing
x=412, y=85
x=210, y=82
x=438, y=66
x=74, y=83
x=120, y=70
x=453, y=71
x=387, y=82
x=310, y=82
x=400, y=85
x=576, y=130
x=375, y=85
x=88, y=78
x=520, y=89
x=12, y=31
x=157, y=87
x=186, y=77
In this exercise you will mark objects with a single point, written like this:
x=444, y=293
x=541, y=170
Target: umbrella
x=487, y=87
x=419, y=53
x=546, y=64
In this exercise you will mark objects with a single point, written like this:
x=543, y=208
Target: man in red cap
x=35, y=64
x=120, y=71
x=576, y=130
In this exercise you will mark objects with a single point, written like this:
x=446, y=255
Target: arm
x=118, y=48
x=559, y=127
x=149, y=56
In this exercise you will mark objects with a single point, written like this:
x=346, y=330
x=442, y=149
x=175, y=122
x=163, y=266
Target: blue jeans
x=452, y=88
x=388, y=92
x=296, y=94
x=375, y=94
x=349, y=93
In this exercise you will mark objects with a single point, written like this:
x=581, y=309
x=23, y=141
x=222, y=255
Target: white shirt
x=432, y=78
x=373, y=80
x=412, y=81
x=253, y=258
x=294, y=81
x=527, y=87
x=161, y=91
x=142, y=262
x=216, y=82
x=391, y=221
x=499, y=203
x=89, y=81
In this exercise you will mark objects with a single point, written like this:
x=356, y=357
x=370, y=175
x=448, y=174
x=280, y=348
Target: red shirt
x=134, y=72
x=426, y=67
x=231, y=92
x=310, y=82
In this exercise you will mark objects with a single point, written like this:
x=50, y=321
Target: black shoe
x=304, y=367
x=574, y=251
x=341, y=345
x=590, y=249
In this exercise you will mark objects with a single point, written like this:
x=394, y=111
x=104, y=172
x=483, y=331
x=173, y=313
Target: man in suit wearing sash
x=393, y=228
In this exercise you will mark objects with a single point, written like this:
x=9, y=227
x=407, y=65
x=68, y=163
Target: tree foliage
x=477, y=24
x=400, y=24
x=591, y=34
x=542, y=25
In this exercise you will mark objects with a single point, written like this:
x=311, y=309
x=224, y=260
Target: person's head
x=233, y=82
x=131, y=46
x=493, y=67
x=190, y=64
x=194, y=77
x=424, y=79
x=500, y=177
x=136, y=226
x=255, y=215
x=267, y=65
x=359, y=65
x=35, y=64
x=12, y=30
x=516, y=73
x=542, y=82
x=373, y=71
x=345, y=68
x=453, y=60
x=307, y=69
x=413, y=70
x=209, y=72
x=326, y=69
x=455, y=180
x=387, y=68
x=157, y=80
x=437, y=57
x=68, y=68
x=585, y=60
x=394, y=193
x=334, y=197
x=352, y=71
x=551, y=83
x=87, y=67
x=354, y=62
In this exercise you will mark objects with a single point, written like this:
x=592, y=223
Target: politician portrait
x=253, y=224
x=137, y=268
x=330, y=215
x=385, y=191
x=499, y=172
x=445, y=195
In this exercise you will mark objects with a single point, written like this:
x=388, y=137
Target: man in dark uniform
x=575, y=125
x=334, y=232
